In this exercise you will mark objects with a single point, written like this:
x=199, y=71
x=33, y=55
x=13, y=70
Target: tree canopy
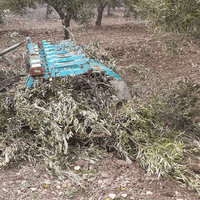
x=78, y=10
x=17, y=6
x=181, y=16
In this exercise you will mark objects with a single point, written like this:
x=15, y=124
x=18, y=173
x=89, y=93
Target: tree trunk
x=64, y=18
x=47, y=11
x=99, y=15
x=101, y=6
x=108, y=14
x=1, y=18
x=66, y=24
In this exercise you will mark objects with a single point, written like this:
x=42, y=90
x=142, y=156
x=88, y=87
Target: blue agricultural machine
x=64, y=58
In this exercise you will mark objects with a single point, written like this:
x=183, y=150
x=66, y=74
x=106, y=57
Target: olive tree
x=130, y=6
x=113, y=4
x=182, y=16
x=101, y=4
x=79, y=10
x=17, y=6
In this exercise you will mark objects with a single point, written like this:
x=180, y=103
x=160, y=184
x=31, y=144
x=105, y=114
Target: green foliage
x=78, y=10
x=84, y=12
x=83, y=112
x=114, y=3
x=130, y=8
x=162, y=156
x=178, y=16
x=60, y=116
x=184, y=109
x=6, y=110
x=17, y=6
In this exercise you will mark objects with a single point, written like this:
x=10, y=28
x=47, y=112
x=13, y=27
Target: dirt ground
x=131, y=44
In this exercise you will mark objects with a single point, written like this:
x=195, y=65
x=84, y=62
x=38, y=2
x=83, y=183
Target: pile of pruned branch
x=65, y=114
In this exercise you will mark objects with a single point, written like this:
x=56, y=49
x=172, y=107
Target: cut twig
x=38, y=107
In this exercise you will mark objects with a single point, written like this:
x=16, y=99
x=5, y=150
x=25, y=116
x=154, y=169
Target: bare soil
x=130, y=43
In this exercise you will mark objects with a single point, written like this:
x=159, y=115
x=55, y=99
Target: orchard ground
x=140, y=57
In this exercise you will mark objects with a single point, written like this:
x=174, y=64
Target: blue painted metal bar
x=66, y=59
x=29, y=81
x=72, y=63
